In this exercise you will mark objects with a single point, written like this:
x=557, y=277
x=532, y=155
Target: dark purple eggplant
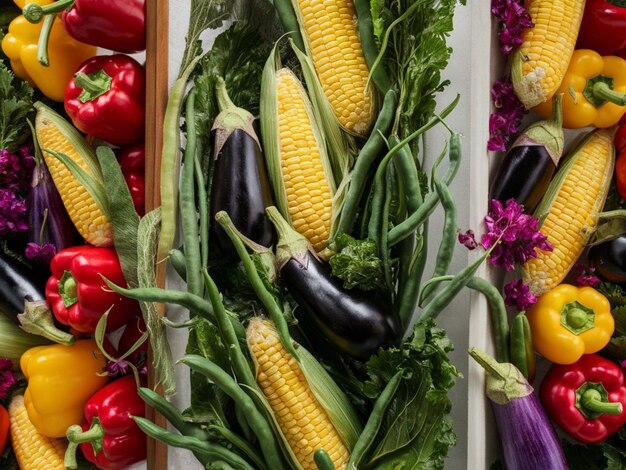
x=19, y=283
x=240, y=182
x=609, y=259
x=356, y=322
x=528, y=440
x=530, y=163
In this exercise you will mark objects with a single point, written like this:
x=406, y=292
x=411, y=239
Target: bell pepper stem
x=75, y=435
x=94, y=85
x=603, y=92
x=37, y=320
x=34, y=13
x=44, y=37
x=592, y=401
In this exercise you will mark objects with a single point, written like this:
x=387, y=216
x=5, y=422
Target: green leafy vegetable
x=614, y=293
x=357, y=264
x=16, y=105
x=597, y=457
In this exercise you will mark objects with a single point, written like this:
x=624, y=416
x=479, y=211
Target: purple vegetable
x=51, y=229
x=527, y=438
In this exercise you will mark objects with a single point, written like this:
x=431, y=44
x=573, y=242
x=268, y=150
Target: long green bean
x=240, y=444
x=370, y=48
x=203, y=213
x=521, y=346
x=177, y=260
x=407, y=303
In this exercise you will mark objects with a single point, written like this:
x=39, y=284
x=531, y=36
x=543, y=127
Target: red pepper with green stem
x=620, y=162
x=132, y=161
x=586, y=399
x=109, y=437
x=603, y=28
x=77, y=294
x=106, y=99
x=118, y=25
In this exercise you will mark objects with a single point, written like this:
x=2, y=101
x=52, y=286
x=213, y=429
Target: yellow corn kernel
x=582, y=193
x=330, y=31
x=301, y=418
x=301, y=163
x=540, y=63
x=33, y=451
x=92, y=224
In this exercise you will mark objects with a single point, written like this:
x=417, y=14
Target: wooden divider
x=157, y=22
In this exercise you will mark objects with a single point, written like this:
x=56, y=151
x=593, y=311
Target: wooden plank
x=157, y=26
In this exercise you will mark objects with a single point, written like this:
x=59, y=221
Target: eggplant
x=530, y=163
x=240, y=183
x=19, y=283
x=528, y=440
x=609, y=259
x=356, y=322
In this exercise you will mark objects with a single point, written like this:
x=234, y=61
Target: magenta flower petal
x=508, y=114
x=585, y=275
x=468, y=239
x=517, y=294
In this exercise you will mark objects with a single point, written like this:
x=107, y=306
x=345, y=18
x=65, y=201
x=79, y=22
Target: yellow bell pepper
x=594, y=91
x=65, y=54
x=570, y=321
x=60, y=380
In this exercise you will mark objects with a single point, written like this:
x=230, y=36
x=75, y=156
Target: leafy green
x=357, y=264
x=594, y=457
x=16, y=105
x=614, y=293
x=416, y=432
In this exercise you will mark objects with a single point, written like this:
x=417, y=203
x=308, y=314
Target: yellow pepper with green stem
x=60, y=380
x=594, y=91
x=569, y=321
x=65, y=53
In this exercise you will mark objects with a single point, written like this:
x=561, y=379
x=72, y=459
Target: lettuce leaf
x=357, y=264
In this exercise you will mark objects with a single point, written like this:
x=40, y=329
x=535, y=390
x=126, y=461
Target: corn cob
x=56, y=134
x=330, y=33
x=33, y=451
x=303, y=421
x=540, y=63
x=571, y=207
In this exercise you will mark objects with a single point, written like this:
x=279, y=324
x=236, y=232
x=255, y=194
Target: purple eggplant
x=240, y=183
x=528, y=440
x=19, y=283
x=530, y=163
x=51, y=228
x=356, y=322
x=609, y=259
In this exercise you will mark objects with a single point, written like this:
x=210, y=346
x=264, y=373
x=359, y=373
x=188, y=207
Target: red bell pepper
x=118, y=25
x=603, y=28
x=109, y=437
x=586, y=399
x=106, y=99
x=77, y=294
x=4, y=428
x=132, y=160
x=133, y=331
x=620, y=162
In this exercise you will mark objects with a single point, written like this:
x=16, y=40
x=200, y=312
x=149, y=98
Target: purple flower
x=508, y=114
x=512, y=236
x=12, y=213
x=468, y=239
x=514, y=19
x=517, y=294
x=42, y=254
x=8, y=378
x=585, y=275
x=16, y=170
x=121, y=367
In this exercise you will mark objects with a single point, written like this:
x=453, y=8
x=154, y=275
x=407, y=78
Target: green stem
x=93, y=85
x=34, y=13
x=592, y=401
x=603, y=92
x=75, y=435
x=37, y=320
x=223, y=100
x=44, y=38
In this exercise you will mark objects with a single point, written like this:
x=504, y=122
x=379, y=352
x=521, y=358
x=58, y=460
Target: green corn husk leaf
x=14, y=341
x=270, y=133
x=331, y=397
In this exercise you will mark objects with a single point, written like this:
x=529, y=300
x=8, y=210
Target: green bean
x=368, y=43
x=417, y=218
x=443, y=298
x=410, y=291
x=323, y=460
x=448, y=237
x=203, y=213
x=204, y=451
x=374, y=225
x=289, y=20
x=169, y=162
x=266, y=297
x=238, y=360
x=384, y=227
x=240, y=443
x=189, y=301
x=522, y=354
x=171, y=413
x=408, y=172
x=258, y=423
x=366, y=439
x=187, y=201
x=243, y=424
x=177, y=260
x=364, y=162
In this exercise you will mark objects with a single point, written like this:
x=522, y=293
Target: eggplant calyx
x=504, y=381
x=548, y=133
x=291, y=244
x=230, y=119
x=37, y=320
